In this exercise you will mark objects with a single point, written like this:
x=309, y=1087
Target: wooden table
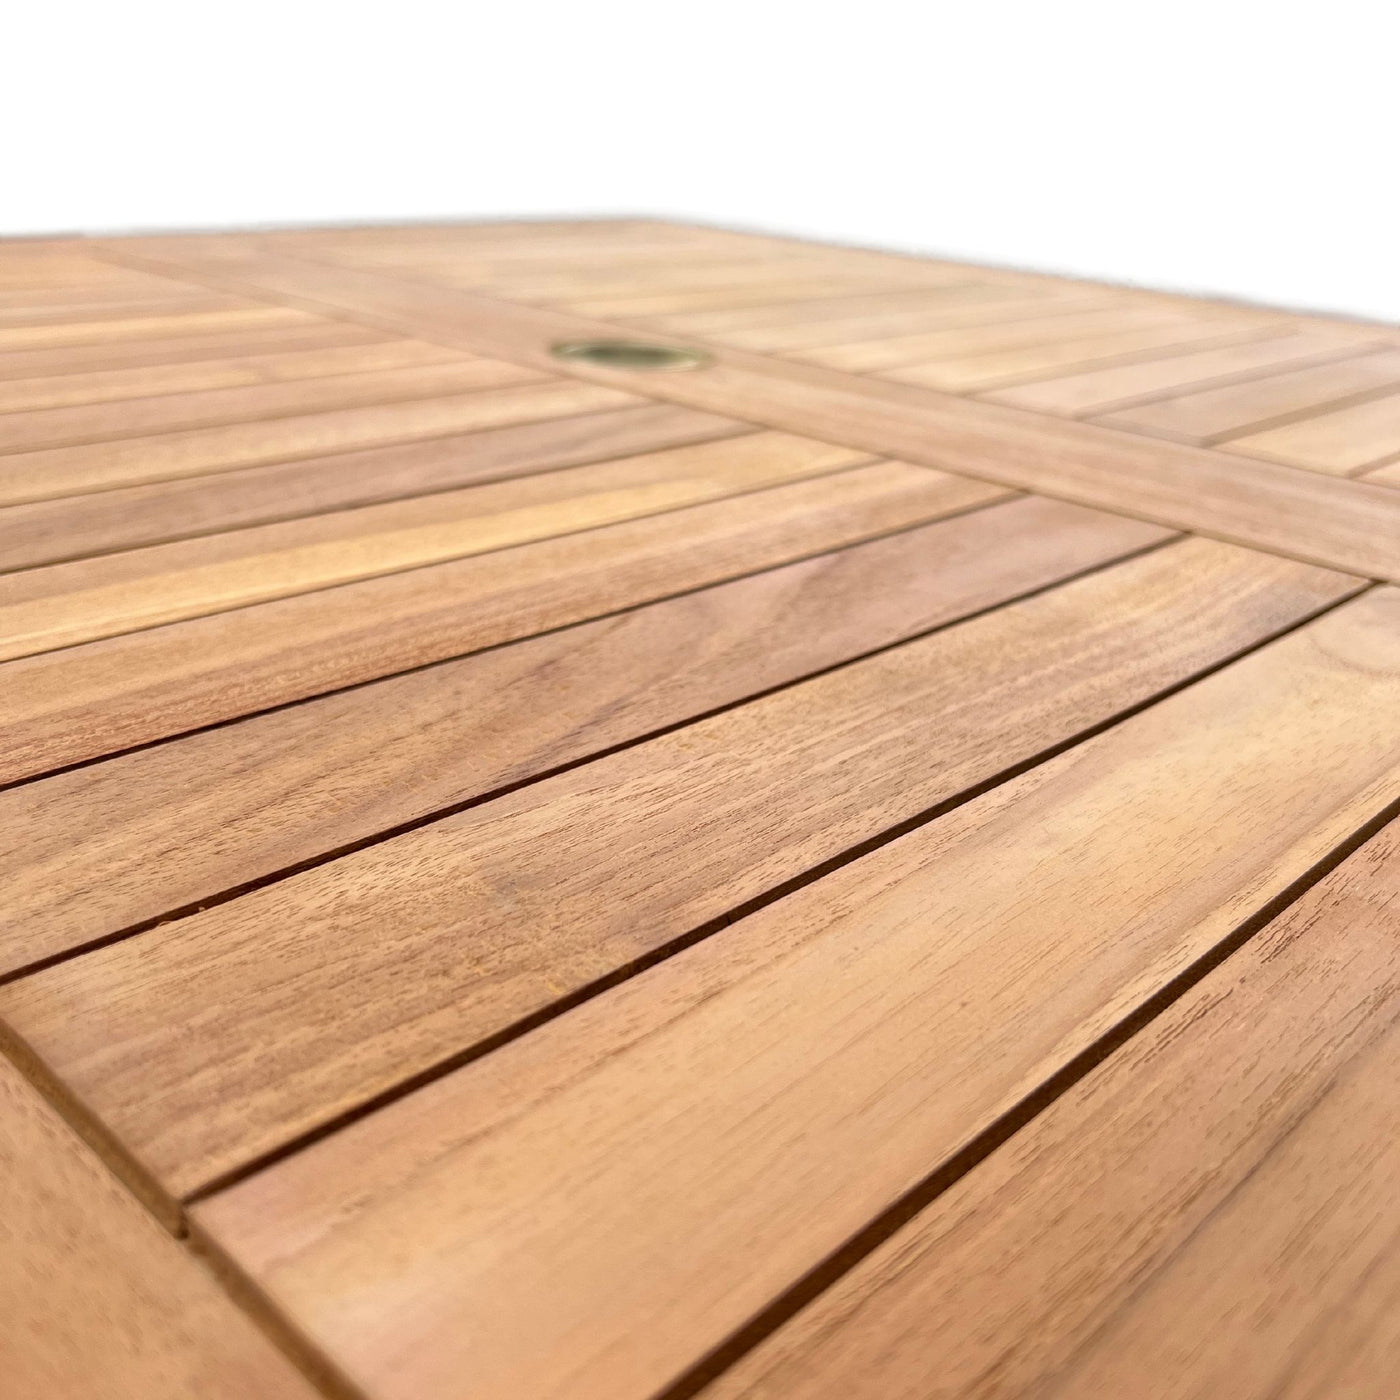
x=864, y=868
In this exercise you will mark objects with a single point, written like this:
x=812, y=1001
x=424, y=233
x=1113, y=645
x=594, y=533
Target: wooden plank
x=589, y=1210
x=1344, y=441
x=87, y=359
x=866, y=335
x=108, y=846
x=96, y=1300
x=249, y=316
x=975, y=372
x=139, y=382
x=1211, y=1212
x=916, y=351
x=44, y=532
x=1126, y=386
x=1214, y=414
x=104, y=424
x=629, y=278
x=1349, y=525
x=215, y=1046
x=70, y=471
x=660, y=303
x=75, y=704
x=51, y=310
x=66, y=604
x=1388, y=475
x=848, y=306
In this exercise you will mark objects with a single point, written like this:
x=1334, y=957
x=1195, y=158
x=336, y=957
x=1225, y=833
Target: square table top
x=624, y=811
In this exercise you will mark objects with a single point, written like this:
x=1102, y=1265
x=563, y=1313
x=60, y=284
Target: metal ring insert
x=631, y=354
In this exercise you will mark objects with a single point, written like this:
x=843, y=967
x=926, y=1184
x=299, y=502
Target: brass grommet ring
x=631, y=354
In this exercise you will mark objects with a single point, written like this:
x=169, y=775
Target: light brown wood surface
x=586, y=882
x=974, y=340
x=812, y=325
x=44, y=532
x=400, y=956
x=168, y=413
x=64, y=604
x=591, y=1209
x=81, y=702
x=1349, y=525
x=105, y=847
x=28, y=365
x=97, y=1302
x=57, y=391
x=1100, y=391
x=248, y=315
x=1345, y=441
x=1227, y=413
x=69, y=471
x=1209, y=1213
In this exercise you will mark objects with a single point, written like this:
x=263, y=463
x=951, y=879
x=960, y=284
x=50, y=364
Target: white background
x=1237, y=148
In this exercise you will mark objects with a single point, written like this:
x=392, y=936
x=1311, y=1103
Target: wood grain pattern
x=971, y=373
x=1211, y=1212
x=1125, y=386
x=168, y=413
x=96, y=1300
x=225, y=1034
x=1388, y=475
x=185, y=349
x=1344, y=441
x=1349, y=525
x=66, y=706
x=544, y=859
x=66, y=604
x=668, y=302
x=1215, y=414
x=55, y=391
x=69, y=471
x=590, y=1209
x=48, y=310
x=107, y=846
x=44, y=532
x=249, y=315
x=836, y=314
x=979, y=336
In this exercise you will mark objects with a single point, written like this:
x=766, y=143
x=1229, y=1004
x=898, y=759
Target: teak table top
x=864, y=868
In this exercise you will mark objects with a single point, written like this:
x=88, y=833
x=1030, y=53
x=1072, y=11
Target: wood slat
x=224, y=1035
x=144, y=381
x=977, y=372
x=629, y=277
x=1126, y=386
x=172, y=826
x=864, y=335
x=249, y=316
x=51, y=310
x=89, y=359
x=587, y=1211
x=917, y=351
x=96, y=1300
x=903, y=302
x=1344, y=441
x=663, y=303
x=66, y=706
x=70, y=471
x=44, y=532
x=1211, y=1212
x=1214, y=414
x=1388, y=475
x=1350, y=525
x=102, y=425
x=66, y=604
